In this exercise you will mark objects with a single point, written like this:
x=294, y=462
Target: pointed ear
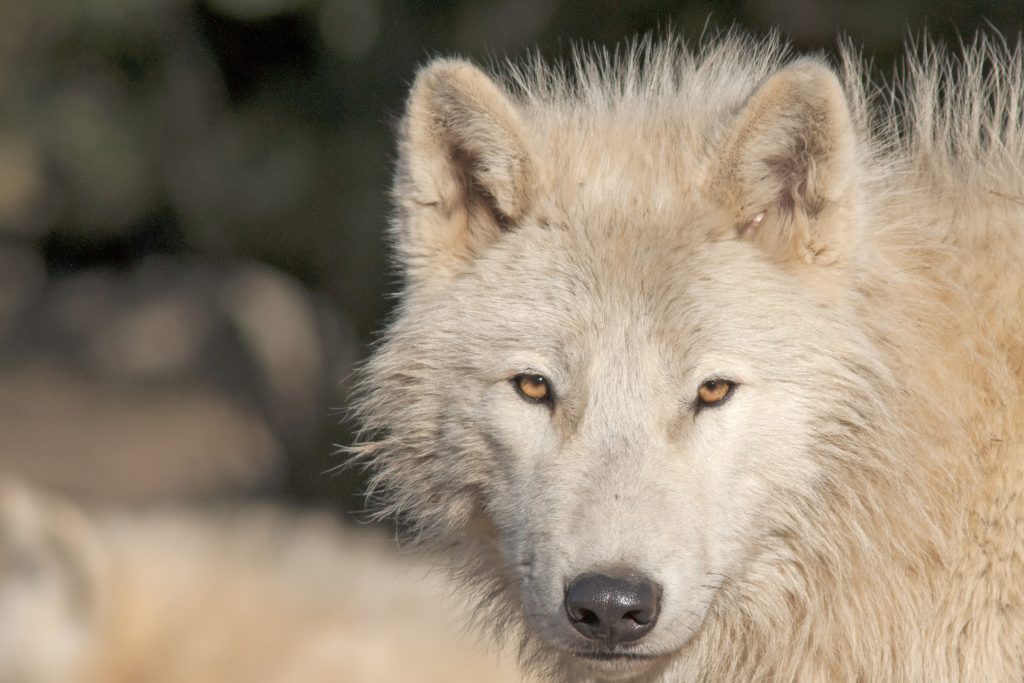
x=787, y=173
x=465, y=173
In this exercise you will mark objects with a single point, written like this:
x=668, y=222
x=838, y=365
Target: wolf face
x=624, y=377
x=622, y=468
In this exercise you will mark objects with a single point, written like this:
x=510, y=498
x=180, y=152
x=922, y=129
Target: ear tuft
x=465, y=171
x=787, y=173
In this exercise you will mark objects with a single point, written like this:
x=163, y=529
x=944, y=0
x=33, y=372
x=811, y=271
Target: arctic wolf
x=709, y=364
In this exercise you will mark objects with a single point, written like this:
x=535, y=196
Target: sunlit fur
x=250, y=593
x=630, y=225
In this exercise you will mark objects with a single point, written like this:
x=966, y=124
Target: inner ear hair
x=787, y=166
x=465, y=173
x=476, y=194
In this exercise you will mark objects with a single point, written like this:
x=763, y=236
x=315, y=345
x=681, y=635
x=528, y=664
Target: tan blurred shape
x=255, y=594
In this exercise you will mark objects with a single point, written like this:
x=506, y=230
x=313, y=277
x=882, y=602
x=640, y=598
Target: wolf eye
x=533, y=387
x=714, y=392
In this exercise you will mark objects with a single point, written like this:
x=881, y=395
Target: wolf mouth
x=604, y=656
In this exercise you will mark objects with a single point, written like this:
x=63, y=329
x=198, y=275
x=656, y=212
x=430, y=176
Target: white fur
x=254, y=594
x=634, y=224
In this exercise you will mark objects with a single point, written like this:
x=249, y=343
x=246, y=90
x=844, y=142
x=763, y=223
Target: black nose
x=612, y=609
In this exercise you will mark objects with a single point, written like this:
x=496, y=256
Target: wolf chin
x=708, y=363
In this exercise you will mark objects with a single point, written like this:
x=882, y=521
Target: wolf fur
x=253, y=593
x=629, y=225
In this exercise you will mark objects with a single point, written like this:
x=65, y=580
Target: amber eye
x=533, y=387
x=714, y=391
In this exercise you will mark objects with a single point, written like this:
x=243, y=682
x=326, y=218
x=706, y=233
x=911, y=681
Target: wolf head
x=625, y=383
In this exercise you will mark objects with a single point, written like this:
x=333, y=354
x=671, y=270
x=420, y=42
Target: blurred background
x=193, y=195
x=192, y=201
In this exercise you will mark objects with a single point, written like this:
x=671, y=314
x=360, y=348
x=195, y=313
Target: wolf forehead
x=641, y=149
x=569, y=300
x=624, y=192
x=591, y=151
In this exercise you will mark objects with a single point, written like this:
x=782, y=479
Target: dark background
x=192, y=202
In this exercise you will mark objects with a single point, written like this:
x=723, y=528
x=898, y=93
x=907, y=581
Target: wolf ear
x=787, y=174
x=465, y=173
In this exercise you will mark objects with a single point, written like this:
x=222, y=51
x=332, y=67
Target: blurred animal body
x=245, y=594
x=709, y=366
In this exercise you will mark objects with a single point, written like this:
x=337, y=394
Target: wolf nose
x=612, y=609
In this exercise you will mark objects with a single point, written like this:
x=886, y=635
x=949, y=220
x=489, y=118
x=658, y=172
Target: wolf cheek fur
x=847, y=262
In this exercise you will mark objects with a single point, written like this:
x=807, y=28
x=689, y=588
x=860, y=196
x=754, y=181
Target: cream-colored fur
x=49, y=568
x=250, y=594
x=851, y=256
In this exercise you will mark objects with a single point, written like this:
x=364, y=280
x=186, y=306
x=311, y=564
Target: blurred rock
x=279, y=324
x=166, y=381
x=97, y=441
x=151, y=325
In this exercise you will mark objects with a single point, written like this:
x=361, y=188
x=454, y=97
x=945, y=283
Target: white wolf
x=708, y=365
